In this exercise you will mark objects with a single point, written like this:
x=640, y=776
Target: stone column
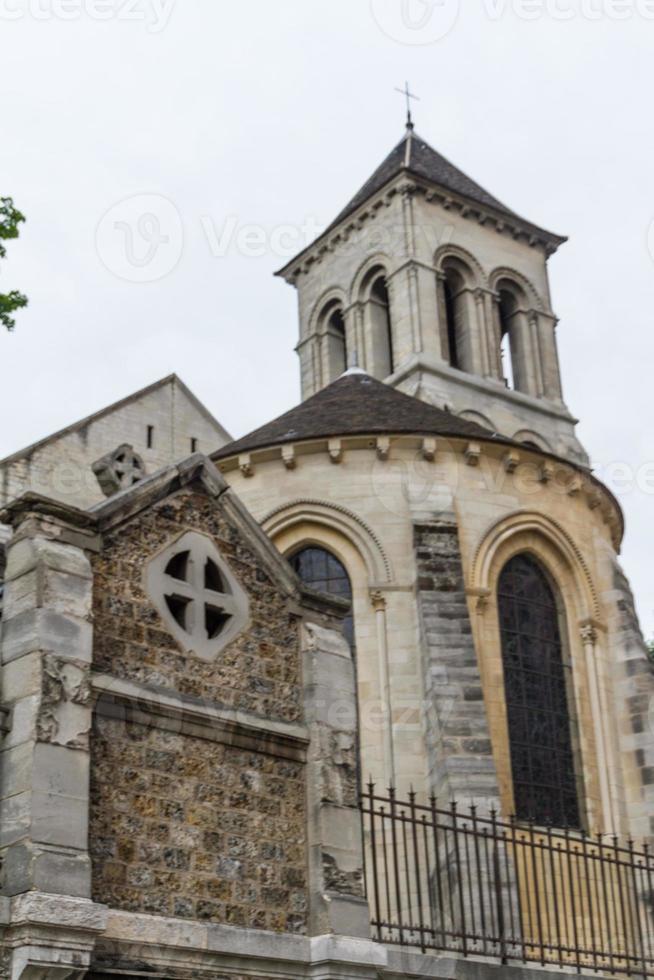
x=354, y=346
x=403, y=314
x=46, y=654
x=336, y=861
x=537, y=355
x=430, y=315
x=310, y=366
x=494, y=335
x=378, y=601
x=599, y=711
x=551, y=370
x=471, y=333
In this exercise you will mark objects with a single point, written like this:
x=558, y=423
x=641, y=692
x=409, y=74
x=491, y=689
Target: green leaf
x=10, y=219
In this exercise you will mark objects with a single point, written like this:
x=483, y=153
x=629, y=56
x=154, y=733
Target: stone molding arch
x=343, y=521
x=472, y=415
x=504, y=272
x=373, y=261
x=548, y=540
x=465, y=257
x=333, y=295
x=528, y=435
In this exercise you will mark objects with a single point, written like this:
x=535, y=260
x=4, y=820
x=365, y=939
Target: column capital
x=378, y=600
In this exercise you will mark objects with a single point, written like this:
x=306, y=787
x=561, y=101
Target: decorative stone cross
x=119, y=470
x=196, y=588
x=406, y=91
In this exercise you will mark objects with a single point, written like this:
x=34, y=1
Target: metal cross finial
x=406, y=91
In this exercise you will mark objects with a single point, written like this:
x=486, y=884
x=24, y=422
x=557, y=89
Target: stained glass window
x=537, y=679
x=321, y=570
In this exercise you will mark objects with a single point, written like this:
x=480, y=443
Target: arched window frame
x=370, y=567
x=539, y=684
x=513, y=340
x=519, y=333
x=563, y=559
x=332, y=331
x=334, y=572
x=459, y=328
x=374, y=297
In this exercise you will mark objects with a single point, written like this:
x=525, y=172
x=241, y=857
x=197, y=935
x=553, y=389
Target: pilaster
x=336, y=859
x=46, y=652
x=49, y=925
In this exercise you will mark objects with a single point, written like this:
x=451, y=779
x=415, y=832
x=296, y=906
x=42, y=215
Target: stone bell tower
x=431, y=284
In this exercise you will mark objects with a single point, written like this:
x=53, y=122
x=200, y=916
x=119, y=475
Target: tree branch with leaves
x=10, y=219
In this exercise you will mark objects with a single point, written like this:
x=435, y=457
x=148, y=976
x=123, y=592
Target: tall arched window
x=456, y=337
x=382, y=329
x=337, y=344
x=321, y=570
x=452, y=318
x=537, y=681
x=507, y=309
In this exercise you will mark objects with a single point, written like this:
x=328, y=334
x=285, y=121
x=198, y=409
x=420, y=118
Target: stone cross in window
x=199, y=598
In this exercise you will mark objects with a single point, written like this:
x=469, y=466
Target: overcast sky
x=271, y=114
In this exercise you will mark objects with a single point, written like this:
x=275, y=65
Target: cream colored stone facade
x=412, y=235
x=451, y=264
x=363, y=510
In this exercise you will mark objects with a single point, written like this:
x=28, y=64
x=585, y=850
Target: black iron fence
x=469, y=883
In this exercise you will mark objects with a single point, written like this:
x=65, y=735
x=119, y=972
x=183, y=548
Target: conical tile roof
x=357, y=404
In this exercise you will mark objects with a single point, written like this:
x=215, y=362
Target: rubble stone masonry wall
x=259, y=672
x=189, y=828
x=182, y=825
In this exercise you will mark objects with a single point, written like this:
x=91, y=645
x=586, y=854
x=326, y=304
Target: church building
x=361, y=694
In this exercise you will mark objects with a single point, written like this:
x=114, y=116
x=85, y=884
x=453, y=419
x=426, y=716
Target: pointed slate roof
x=357, y=404
x=415, y=155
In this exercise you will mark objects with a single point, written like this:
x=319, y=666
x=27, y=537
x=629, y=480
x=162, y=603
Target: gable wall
x=185, y=825
x=61, y=468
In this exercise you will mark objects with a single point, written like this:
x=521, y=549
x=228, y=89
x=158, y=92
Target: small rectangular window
x=150, y=437
x=194, y=444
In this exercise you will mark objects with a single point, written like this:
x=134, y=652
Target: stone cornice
x=420, y=362
x=572, y=478
x=406, y=182
x=156, y=707
x=34, y=504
